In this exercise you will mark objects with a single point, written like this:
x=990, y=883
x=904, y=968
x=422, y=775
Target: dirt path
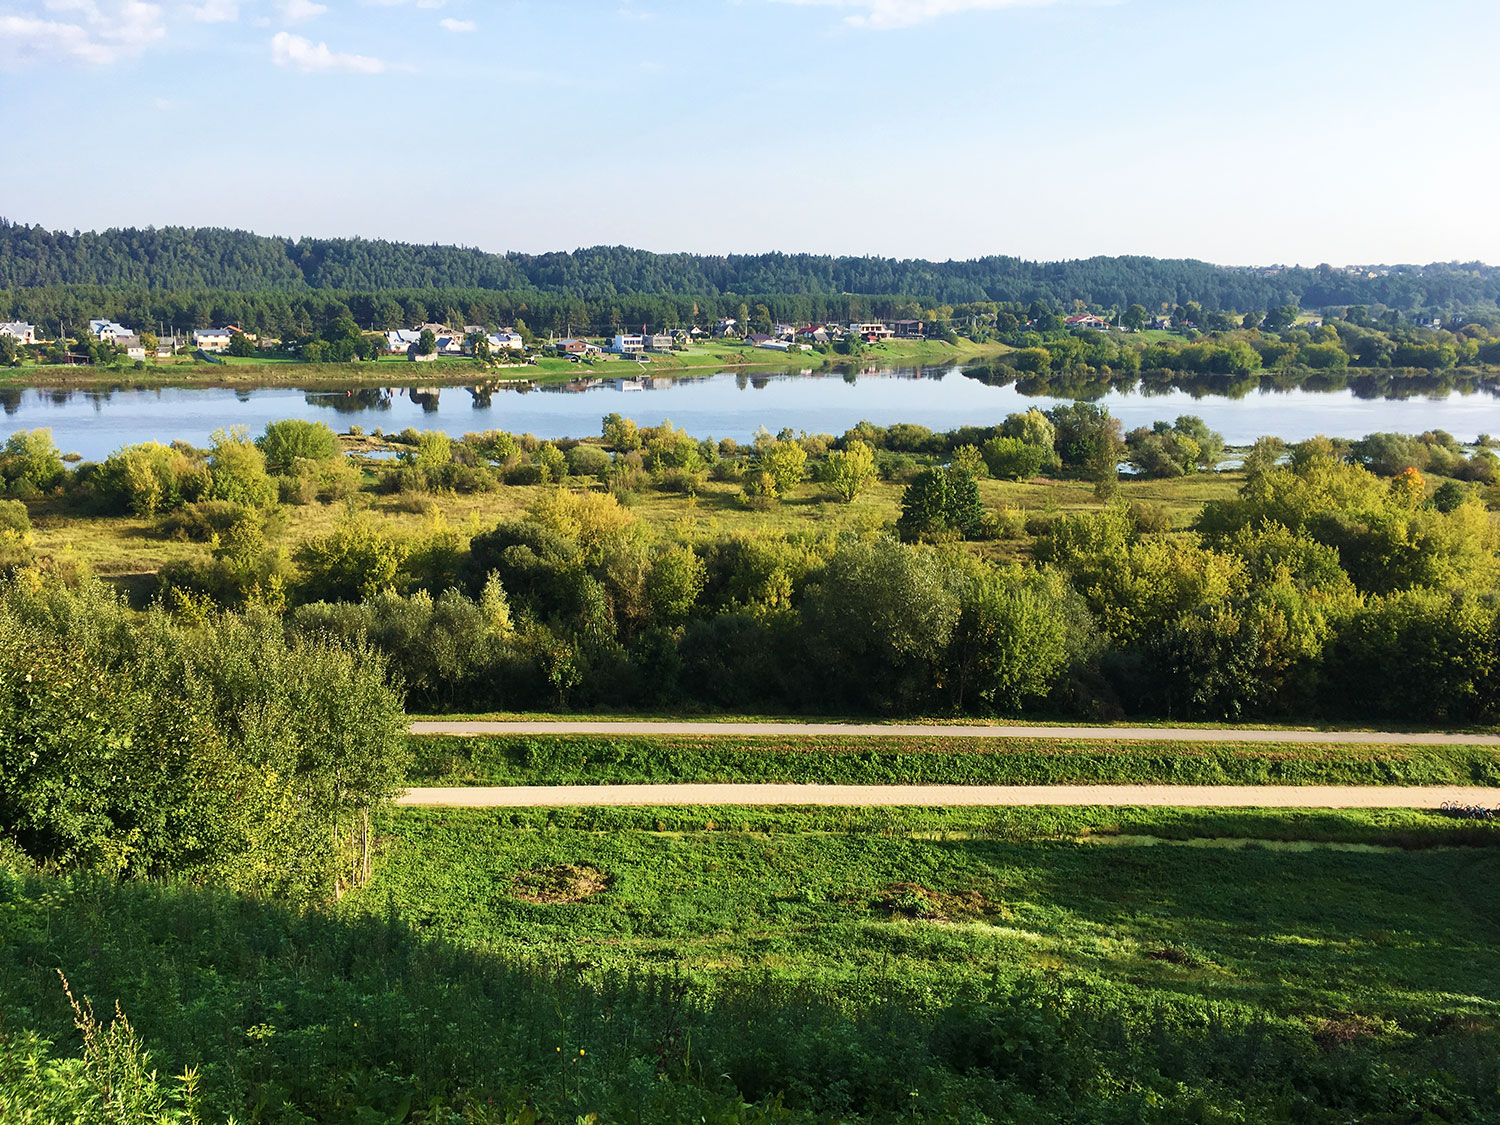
x=867, y=730
x=862, y=796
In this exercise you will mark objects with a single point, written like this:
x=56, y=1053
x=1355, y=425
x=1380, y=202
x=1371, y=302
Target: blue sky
x=1239, y=131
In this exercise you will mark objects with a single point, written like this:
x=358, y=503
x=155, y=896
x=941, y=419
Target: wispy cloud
x=300, y=11
x=97, y=32
x=215, y=11
x=886, y=15
x=315, y=58
x=458, y=27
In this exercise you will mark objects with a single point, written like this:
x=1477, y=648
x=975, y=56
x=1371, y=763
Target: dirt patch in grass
x=1340, y=1031
x=558, y=883
x=912, y=900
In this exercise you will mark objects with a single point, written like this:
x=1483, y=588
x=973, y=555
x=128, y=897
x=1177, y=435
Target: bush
x=29, y=462
x=287, y=442
x=1010, y=458
x=589, y=461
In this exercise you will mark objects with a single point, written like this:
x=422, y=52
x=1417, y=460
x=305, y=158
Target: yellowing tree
x=849, y=471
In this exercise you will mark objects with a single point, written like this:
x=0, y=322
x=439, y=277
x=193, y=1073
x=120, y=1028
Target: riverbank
x=392, y=371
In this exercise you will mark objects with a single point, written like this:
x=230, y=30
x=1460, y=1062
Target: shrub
x=293, y=439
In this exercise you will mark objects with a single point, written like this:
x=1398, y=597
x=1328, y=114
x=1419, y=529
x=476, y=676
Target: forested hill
x=182, y=258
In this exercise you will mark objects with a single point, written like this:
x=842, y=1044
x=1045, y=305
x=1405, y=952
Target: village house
x=166, y=346
x=1086, y=320
x=784, y=331
x=659, y=342
x=401, y=340
x=19, y=331
x=628, y=344
x=726, y=326
x=908, y=329
x=506, y=340
x=131, y=346
x=872, y=330
x=576, y=347
x=211, y=339
x=815, y=333
x=108, y=331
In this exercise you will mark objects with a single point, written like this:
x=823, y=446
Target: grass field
x=597, y=760
x=120, y=545
x=1106, y=966
x=938, y=899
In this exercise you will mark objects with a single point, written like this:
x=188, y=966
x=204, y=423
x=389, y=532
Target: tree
x=785, y=462
x=1009, y=458
x=850, y=470
x=620, y=434
x=1134, y=318
x=30, y=462
x=426, y=342
x=1281, y=318
x=940, y=503
x=293, y=439
x=878, y=623
x=237, y=470
x=241, y=346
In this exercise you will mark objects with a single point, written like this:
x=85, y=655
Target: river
x=94, y=423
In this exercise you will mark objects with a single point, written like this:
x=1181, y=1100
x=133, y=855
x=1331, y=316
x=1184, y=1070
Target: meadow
x=732, y=965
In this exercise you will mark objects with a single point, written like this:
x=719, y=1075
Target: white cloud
x=215, y=11
x=885, y=15
x=398, y=3
x=458, y=27
x=97, y=32
x=300, y=11
x=294, y=51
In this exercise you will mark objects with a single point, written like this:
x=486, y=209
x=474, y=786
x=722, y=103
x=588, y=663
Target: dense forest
x=210, y=259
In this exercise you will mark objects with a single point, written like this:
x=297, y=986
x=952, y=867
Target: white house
x=725, y=327
x=211, y=339
x=397, y=342
x=19, y=331
x=108, y=330
x=783, y=331
x=870, y=330
x=628, y=345
x=1086, y=320
x=659, y=342
x=506, y=340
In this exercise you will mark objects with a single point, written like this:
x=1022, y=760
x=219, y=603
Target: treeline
x=209, y=259
x=1321, y=577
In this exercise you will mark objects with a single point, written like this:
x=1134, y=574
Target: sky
x=1245, y=132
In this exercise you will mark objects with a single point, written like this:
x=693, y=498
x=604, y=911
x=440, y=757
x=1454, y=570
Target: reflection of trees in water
x=10, y=399
x=481, y=396
x=1367, y=385
x=352, y=402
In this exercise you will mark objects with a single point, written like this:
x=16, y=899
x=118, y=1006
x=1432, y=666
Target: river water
x=94, y=423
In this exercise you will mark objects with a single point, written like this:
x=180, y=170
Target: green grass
x=663, y=965
x=597, y=760
x=939, y=899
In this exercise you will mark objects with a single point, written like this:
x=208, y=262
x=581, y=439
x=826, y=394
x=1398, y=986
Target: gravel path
x=866, y=730
x=862, y=796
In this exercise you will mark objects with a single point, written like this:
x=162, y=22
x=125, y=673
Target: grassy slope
x=583, y=759
x=937, y=899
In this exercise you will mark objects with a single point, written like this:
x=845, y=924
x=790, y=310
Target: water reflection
x=1242, y=407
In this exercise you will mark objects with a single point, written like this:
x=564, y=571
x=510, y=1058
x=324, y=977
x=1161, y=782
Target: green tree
x=939, y=504
x=426, y=342
x=293, y=439
x=849, y=471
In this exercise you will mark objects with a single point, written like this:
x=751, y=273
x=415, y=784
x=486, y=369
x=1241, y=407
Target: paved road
x=862, y=796
x=865, y=730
